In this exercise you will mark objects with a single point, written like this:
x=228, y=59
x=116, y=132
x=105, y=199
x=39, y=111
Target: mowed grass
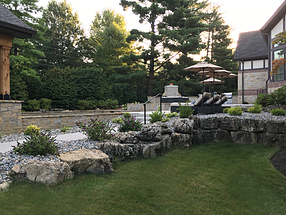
x=205, y=179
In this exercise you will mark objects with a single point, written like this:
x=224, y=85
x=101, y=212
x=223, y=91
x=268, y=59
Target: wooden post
x=5, y=46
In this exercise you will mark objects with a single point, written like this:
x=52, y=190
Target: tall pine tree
x=175, y=28
x=65, y=35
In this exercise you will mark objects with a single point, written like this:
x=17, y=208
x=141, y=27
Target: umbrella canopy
x=212, y=81
x=217, y=74
x=203, y=66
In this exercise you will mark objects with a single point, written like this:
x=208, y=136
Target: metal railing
x=144, y=104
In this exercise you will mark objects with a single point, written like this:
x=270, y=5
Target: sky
x=241, y=15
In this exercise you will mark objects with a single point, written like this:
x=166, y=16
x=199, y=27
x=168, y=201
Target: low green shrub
x=117, y=120
x=37, y=144
x=86, y=105
x=34, y=105
x=185, y=110
x=166, y=119
x=236, y=111
x=156, y=116
x=45, y=103
x=278, y=112
x=130, y=124
x=96, y=129
x=111, y=104
x=256, y=109
x=225, y=110
x=170, y=115
x=127, y=115
x=32, y=129
x=277, y=97
x=65, y=129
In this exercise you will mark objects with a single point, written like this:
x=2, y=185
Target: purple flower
x=50, y=141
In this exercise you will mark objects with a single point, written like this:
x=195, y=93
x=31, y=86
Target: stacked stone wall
x=10, y=117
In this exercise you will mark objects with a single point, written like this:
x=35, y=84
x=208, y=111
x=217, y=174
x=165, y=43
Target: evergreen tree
x=108, y=40
x=65, y=35
x=175, y=28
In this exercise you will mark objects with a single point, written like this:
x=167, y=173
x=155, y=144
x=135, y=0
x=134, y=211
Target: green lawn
x=205, y=179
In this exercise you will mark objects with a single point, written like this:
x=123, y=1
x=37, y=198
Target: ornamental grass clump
x=236, y=111
x=185, y=110
x=278, y=112
x=130, y=124
x=156, y=116
x=256, y=109
x=96, y=130
x=37, y=144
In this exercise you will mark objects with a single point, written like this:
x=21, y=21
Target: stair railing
x=160, y=94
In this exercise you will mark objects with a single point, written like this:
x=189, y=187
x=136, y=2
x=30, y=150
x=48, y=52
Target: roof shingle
x=251, y=46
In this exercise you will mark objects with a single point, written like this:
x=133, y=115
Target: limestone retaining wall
x=68, y=118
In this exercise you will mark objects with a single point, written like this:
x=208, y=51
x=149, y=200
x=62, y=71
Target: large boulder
x=276, y=127
x=272, y=139
x=87, y=160
x=154, y=149
x=209, y=123
x=120, y=152
x=230, y=123
x=46, y=172
x=131, y=137
x=244, y=137
x=184, y=126
x=182, y=140
x=211, y=136
x=151, y=132
x=253, y=125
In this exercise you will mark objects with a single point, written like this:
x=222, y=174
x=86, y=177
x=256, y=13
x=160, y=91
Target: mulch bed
x=279, y=160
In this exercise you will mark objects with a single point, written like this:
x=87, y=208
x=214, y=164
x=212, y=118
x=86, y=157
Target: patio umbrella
x=204, y=67
x=211, y=81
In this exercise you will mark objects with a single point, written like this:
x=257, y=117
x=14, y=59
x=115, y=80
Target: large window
x=278, y=55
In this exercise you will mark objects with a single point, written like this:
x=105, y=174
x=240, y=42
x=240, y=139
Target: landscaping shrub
x=156, y=116
x=34, y=105
x=185, y=110
x=166, y=119
x=37, y=144
x=225, y=110
x=237, y=111
x=96, y=129
x=277, y=97
x=170, y=115
x=278, y=112
x=256, y=109
x=32, y=129
x=117, y=120
x=111, y=104
x=130, y=124
x=126, y=115
x=45, y=103
x=86, y=105
x=65, y=129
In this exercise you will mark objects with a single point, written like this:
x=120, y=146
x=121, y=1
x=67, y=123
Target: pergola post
x=5, y=46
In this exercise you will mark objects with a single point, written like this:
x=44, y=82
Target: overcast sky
x=241, y=15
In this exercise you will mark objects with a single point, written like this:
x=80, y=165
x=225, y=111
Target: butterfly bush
x=97, y=130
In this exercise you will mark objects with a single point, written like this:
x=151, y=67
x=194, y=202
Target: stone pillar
x=5, y=45
x=10, y=117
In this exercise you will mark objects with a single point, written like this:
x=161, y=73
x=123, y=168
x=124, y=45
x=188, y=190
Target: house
x=255, y=53
x=10, y=26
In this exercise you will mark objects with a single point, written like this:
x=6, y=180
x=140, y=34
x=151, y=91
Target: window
x=278, y=55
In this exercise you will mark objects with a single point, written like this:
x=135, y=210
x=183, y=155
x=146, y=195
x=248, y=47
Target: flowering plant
x=130, y=124
x=37, y=144
x=96, y=129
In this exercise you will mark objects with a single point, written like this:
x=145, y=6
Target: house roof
x=274, y=19
x=11, y=25
x=251, y=46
